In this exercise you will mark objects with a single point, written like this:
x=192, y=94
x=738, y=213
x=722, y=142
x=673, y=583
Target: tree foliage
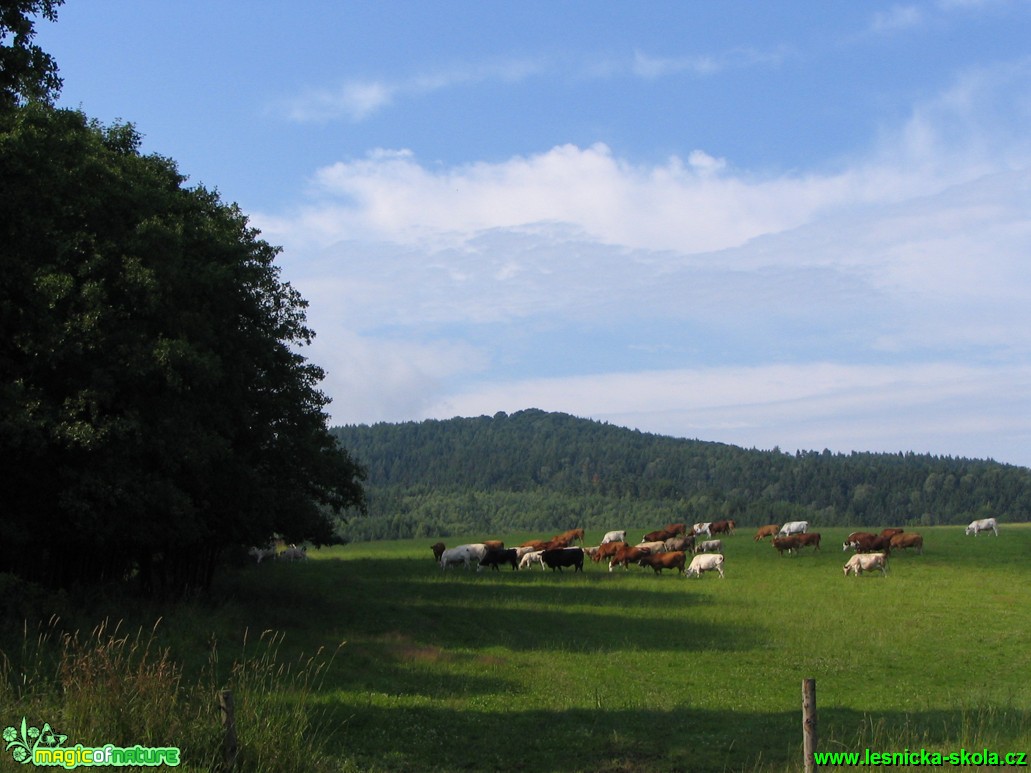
x=154, y=407
x=27, y=72
x=539, y=471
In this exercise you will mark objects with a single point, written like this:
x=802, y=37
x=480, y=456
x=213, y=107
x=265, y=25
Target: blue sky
x=802, y=225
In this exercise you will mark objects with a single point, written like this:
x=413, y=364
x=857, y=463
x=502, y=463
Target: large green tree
x=154, y=404
x=27, y=72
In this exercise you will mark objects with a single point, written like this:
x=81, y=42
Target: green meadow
x=370, y=658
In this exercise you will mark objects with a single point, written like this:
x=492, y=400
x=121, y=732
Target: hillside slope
x=534, y=470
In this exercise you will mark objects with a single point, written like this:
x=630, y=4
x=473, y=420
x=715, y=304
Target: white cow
x=653, y=547
x=985, y=524
x=702, y=528
x=705, y=563
x=530, y=558
x=709, y=546
x=463, y=554
x=867, y=562
x=614, y=536
x=794, y=527
x=260, y=554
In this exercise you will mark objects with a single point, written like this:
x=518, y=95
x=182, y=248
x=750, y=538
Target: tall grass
x=124, y=688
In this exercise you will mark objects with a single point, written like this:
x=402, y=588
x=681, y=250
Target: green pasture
x=416, y=669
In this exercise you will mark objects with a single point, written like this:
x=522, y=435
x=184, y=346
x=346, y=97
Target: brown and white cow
x=876, y=544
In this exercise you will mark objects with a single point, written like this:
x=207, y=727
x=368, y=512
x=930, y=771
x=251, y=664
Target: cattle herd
x=670, y=547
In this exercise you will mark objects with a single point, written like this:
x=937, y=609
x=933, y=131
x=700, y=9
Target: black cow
x=560, y=557
x=493, y=557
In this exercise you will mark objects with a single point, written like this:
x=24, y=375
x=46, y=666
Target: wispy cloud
x=897, y=18
x=357, y=99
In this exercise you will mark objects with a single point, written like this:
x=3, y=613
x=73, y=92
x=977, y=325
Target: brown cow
x=626, y=554
x=719, y=527
x=679, y=543
x=607, y=550
x=676, y=528
x=770, y=530
x=906, y=541
x=494, y=544
x=889, y=533
x=536, y=544
x=810, y=538
x=660, y=561
x=659, y=535
x=438, y=549
x=569, y=536
x=789, y=544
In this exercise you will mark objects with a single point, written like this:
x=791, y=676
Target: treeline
x=537, y=471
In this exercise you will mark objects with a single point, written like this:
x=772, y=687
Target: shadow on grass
x=638, y=740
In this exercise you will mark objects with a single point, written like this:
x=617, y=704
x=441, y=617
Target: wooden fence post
x=229, y=746
x=809, y=724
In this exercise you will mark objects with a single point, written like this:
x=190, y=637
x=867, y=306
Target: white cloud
x=880, y=305
x=896, y=18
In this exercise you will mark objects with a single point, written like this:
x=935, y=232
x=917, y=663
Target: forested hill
x=541, y=471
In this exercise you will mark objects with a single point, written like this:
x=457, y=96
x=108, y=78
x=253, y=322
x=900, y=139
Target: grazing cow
x=294, y=553
x=676, y=528
x=260, y=554
x=985, y=524
x=889, y=533
x=569, y=536
x=772, y=530
x=530, y=558
x=788, y=544
x=614, y=536
x=867, y=562
x=679, y=543
x=808, y=539
x=794, y=527
x=494, y=544
x=556, y=559
x=709, y=546
x=625, y=555
x=607, y=550
x=438, y=549
x=493, y=557
x=659, y=535
x=907, y=541
x=721, y=527
x=535, y=544
x=660, y=561
x=871, y=544
x=706, y=563
x=658, y=546
x=463, y=554
x=855, y=537
x=702, y=528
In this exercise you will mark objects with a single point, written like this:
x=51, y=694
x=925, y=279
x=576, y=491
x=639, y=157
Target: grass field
x=628, y=671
